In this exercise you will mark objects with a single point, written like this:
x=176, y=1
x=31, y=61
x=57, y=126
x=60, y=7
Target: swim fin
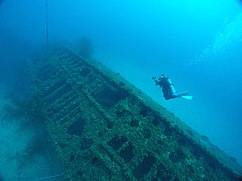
x=187, y=97
x=184, y=95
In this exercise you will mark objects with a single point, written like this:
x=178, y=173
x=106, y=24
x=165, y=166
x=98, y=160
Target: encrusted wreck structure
x=103, y=128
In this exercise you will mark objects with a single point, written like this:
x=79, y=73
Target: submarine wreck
x=104, y=128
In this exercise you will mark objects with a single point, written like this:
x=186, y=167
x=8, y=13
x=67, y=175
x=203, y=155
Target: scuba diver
x=168, y=89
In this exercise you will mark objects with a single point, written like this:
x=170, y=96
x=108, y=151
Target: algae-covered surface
x=103, y=128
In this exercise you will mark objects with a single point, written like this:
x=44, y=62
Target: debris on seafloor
x=103, y=128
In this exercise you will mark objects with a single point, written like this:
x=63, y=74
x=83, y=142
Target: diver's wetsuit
x=167, y=87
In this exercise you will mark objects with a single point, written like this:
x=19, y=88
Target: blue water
x=197, y=43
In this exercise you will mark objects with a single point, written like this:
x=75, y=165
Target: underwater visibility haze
x=198, y=44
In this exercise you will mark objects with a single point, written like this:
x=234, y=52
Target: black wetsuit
x=166, y=84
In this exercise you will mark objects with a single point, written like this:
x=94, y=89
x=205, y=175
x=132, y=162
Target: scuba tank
x=172, y=88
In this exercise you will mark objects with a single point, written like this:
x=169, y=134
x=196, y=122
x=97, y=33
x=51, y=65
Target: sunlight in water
x=230, y=35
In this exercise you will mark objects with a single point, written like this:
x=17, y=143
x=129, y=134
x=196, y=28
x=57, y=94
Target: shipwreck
x=104, y=128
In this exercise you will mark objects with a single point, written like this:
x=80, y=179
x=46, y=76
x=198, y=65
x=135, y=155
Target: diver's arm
x=157, y=82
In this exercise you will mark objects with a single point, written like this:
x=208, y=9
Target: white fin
x=187, y=97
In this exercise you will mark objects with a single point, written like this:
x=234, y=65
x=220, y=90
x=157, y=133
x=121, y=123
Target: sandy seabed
x=17, y=161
